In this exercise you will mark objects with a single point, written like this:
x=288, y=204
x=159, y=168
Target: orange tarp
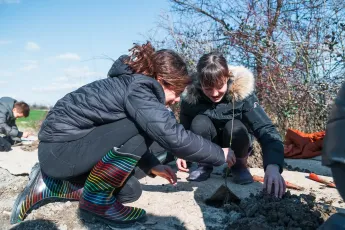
x=303, y=145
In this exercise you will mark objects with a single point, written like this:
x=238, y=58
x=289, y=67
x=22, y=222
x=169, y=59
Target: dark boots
x=202, y=173
x=40, y=189
x=98, y=201
x=240, y=172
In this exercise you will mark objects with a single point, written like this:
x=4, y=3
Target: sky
x=50, y=48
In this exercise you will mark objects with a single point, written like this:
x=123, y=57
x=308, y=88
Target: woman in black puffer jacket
x=94, y=137
x=220, y=104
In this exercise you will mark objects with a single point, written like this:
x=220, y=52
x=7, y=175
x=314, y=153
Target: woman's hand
x=182, y=165
x=230, y=157
x=166, y=172
x=272, y=176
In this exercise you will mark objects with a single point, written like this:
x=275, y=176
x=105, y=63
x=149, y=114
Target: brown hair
x=213, y=70
x=22, y=107
x=166, y=64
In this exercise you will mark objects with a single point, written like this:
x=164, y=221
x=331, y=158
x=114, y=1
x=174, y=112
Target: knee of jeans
x=136, y=145
x=201, y=124
x=240, y=131
x=135, y=189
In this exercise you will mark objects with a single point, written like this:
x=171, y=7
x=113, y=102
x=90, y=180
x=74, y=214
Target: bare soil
x=30, y=147
x=264, y=211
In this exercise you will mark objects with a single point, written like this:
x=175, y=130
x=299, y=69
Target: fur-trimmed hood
x=240, y=86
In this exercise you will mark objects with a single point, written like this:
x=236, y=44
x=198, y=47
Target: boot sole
x=89, y=216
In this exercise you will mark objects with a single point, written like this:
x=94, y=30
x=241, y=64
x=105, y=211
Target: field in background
x=33, y=122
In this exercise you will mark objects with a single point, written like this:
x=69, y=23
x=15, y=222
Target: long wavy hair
x=164, y=64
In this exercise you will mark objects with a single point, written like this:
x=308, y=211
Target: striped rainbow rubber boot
x=98, y=202
x=40, y=190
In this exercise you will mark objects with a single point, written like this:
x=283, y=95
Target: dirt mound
x=30, y=147
x=263, y=211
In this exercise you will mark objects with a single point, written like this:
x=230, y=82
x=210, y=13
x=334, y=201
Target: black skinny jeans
x=72, y=161
x=220, y=134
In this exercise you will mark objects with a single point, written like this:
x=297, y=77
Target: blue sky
x=47, y=48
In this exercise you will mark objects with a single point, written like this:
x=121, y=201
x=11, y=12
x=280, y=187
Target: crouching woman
x=94, y=137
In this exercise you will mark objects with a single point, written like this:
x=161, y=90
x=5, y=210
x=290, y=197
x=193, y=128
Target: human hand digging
x=26, y=134
x=230, y=157
x=166, y=172
x=273, y=179
x=182, y=165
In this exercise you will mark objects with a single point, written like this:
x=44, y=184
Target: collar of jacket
x=8, y=104
x=240, y=85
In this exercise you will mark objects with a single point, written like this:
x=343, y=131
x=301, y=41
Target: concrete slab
x=313, y=165
x=18, y=161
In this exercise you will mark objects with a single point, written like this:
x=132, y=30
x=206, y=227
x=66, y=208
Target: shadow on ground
x=153, y=222
x=213, y=218
x=35, y=225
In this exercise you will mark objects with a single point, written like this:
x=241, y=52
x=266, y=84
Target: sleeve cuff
x=147, y=162
x=280, y=166
x=274, y=155
x=20, y=134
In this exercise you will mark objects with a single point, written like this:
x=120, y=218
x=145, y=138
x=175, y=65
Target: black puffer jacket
x=134, y=96
x=246, y=109
x=7, y=120
x=333, y=148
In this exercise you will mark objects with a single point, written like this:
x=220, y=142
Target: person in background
x=10, y=110
x=93, y=139
x=222, y=103
x=333, y=155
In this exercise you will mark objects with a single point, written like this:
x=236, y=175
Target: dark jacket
x=333, y=147
x=246, y=109
x=7, y=120
x=125, y=95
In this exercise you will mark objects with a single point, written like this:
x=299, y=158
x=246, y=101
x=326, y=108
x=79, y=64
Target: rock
x=6, y=213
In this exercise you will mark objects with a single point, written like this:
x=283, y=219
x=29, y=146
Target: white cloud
x=32, y=46
x=69, y=56
x=76, y=72
x=9, y=1
x=58, y=87
x=2, y=82
x=29, y=65
x=68, y=80
x=5, y=42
